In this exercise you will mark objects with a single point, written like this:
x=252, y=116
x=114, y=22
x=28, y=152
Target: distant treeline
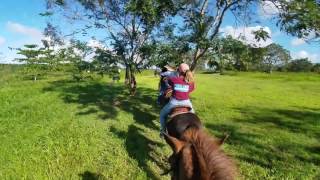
x=232, y=54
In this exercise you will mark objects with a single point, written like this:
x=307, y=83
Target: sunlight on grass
x=61, y=129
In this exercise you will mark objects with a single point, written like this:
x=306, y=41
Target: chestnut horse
x=196, y=155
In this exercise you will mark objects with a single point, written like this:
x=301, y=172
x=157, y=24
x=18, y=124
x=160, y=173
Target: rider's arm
x=169, y=73
x=191, y=87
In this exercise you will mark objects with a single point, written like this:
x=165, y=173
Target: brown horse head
x=196, y=155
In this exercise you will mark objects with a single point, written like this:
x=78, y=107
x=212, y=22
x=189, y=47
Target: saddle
x=179, y=110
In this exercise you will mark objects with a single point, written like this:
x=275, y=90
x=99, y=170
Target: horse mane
x=213, y=162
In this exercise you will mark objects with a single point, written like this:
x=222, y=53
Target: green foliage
x=52, y=32
x=316, y=68
x=231, y=54
x=275, y=55
x=34, y=59
x=261, y=34
x=300, y=65
x=129, y=25
x=104, y=61
x=300, y=18
x=151, y=12
x=172, y=53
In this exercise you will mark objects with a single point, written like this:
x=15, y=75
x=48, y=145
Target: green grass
x=60, y=129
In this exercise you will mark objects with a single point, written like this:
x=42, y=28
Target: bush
x=300, y=65
x=316, y=68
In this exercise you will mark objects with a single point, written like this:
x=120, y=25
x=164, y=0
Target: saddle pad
x=179, y=110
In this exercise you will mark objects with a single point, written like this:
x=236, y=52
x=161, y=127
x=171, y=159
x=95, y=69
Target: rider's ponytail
x=189, y=76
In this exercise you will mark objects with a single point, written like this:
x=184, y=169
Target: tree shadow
x=305, y=120
x=209, y=72
x=106, y=101
x=87, y=175
x=140, y=148
x=257, y=147
x=244, y=139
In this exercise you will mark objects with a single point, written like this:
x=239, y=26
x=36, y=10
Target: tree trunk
x=35, y=78
x=198, y=53
x=221, y=66
x=127, y=76
x=195, y=60
x=133, y=83
x=270, y=69
x=221, y=70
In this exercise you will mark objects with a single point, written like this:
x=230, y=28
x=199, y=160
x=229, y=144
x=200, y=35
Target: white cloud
x=95, y=44
x=2, y=40
x=24, y=30
x=245, y=34
x=315, y=58
x=268, y=9
x=297, y=42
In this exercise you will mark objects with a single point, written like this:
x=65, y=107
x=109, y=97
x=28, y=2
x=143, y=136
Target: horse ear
x=174, y=143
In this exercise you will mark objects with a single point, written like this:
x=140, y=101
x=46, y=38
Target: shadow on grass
x=259, y=149
x=140, y=148
x=210, y=72
x=106, y=101
x=300, y=120
x=246, y=140
x=87, y=175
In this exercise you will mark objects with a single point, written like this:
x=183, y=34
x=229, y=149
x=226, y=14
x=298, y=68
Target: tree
x=77, y=54
x=299, y=18
x=261, y=34
x=203, y=20
x=275, y=55
x=129, y=24
x=237, y=51
x=300, y=65
x=228, y=53
x=218, y=55
x=32, y=58
x=316, y=68
x=172, y=53
x=104, y=61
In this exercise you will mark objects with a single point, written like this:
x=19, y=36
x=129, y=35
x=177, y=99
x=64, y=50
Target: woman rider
x=182, y=85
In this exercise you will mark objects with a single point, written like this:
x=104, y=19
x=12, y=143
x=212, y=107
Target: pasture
x=57, y=128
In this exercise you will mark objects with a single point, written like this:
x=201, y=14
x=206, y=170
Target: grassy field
x=60, y=129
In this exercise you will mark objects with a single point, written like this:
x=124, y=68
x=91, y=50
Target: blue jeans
x=168, y=107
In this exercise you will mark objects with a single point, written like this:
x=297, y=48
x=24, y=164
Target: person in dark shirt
x=166, y=72
x=182, y=85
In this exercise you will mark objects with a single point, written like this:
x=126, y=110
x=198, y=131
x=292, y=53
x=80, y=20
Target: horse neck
x=212, y=162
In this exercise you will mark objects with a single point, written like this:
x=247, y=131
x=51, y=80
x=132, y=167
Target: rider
x=182, y=86
x=166, y=72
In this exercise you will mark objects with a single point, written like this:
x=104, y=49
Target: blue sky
x=20, y=23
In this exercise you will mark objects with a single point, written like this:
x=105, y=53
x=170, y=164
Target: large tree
x=105, y=61
x=128, y=25
x=299, y=18
x=275, y=55
x=203, y=18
